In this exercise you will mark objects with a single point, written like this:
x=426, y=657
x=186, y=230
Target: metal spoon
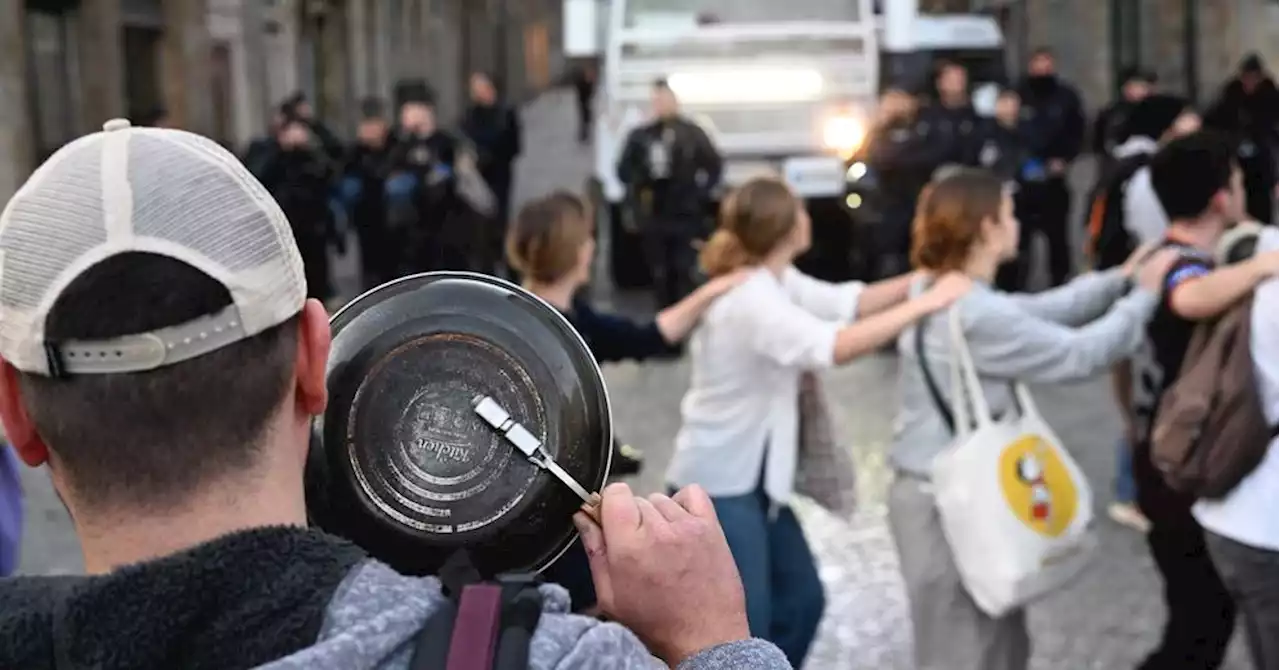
x=533, y=449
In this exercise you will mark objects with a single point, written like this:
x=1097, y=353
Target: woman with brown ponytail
x=965, y=222
x=738, y=439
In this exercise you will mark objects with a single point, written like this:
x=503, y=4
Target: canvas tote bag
x=1015, y=508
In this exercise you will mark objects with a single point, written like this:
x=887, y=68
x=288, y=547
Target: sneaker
x=627, y=461
x=1129, y=516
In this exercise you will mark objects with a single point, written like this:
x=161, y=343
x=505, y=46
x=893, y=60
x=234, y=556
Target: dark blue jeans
x=784, y=594
x=1126, y=489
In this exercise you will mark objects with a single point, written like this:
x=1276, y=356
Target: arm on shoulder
x=884, y=294
x=1197, y=292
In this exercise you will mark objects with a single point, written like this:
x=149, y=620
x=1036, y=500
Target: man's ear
x=18, y=427
x=312, y=358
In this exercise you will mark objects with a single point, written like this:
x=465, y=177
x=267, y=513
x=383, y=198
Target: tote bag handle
x=966, y=373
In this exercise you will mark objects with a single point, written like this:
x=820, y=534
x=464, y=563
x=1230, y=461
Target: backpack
x=1109, y=242
x=486, y=625
x=1210, y=431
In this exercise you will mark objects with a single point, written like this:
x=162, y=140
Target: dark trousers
x=785, y=600
x=673, y=262
x=584, y=114
x=1043, y=208
x=314, y=249
x=1250, y=574
x=377, y=265
x=1201, y=613
x=493, y=257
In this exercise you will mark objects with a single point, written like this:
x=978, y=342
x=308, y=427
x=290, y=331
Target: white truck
x=782, y=87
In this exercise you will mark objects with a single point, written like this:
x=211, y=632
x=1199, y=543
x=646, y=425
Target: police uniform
x=949, y=134
x=1252, y=118
x=1004, y=151
x=1054, y=120
x=899, y=160
x=670, y=166
x=424, y=167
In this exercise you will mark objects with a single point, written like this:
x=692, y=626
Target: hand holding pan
x=409, y=462
x=522, y=439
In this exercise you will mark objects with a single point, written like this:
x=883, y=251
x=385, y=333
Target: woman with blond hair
x=738, y=439
x=965, y=223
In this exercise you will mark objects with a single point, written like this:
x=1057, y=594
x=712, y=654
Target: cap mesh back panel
x=68, y=198
x=190, y=199
x=197, y=204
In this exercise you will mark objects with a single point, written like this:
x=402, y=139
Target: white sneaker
x=1129, y=516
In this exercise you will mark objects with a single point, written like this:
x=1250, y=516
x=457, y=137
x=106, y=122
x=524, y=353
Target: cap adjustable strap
x=146, y=351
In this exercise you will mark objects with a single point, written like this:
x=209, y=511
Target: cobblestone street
x=1108, y=620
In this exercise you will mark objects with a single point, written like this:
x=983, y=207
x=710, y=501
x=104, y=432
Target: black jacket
x=1001, y=149
x=1250, y=115
x=949, y=134
x=300, y=181
x=900, y=160
x=1109, y=128
x=1054, y=117
x=369, y=166
x=675, y=162
x=495, y=131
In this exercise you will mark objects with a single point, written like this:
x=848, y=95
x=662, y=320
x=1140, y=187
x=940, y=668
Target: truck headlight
x=843, y=134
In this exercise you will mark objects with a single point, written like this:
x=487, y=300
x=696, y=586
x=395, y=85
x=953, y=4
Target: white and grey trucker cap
x=152, y=190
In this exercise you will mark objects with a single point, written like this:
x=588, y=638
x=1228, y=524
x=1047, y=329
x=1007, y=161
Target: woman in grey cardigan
x=965, y=222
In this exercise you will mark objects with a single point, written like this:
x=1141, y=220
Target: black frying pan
x=400, y=462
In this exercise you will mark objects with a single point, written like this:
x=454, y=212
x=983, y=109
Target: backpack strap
x=521, y=610
x=484, y=625
x=473, y=644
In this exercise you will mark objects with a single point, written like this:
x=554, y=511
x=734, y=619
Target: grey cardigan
x=1058, y=335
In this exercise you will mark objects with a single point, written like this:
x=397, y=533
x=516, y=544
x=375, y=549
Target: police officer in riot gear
x=1055, y=123
x=298, y=175
x=1109, y=129
x=898, y=159
x=1248, y=108
x=949, y=123
x=363, y=184
x=420, y=192
x=1004, y=150
x=1001, y=143
x=670, y=166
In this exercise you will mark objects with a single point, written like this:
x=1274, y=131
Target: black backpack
x=1109, y=243
x=486, y=624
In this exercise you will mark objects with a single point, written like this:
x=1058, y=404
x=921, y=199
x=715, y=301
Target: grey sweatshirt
x=375, y=615
x=1034, y=338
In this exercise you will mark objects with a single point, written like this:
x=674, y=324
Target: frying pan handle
x=592, y=508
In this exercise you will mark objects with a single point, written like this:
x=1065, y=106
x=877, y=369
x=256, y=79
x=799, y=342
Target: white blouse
x=743, y=401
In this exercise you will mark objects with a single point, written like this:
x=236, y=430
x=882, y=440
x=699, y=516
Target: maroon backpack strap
x=475, y=630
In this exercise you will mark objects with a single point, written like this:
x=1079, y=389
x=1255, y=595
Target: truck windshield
x=640, y=13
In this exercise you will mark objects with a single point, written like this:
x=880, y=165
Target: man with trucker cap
x=160, y=355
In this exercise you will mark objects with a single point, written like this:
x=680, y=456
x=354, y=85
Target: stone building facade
x=1194, y=46
x=218, y=67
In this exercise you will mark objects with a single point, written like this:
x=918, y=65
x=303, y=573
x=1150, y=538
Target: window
x=48, y=78
x=739, y=11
